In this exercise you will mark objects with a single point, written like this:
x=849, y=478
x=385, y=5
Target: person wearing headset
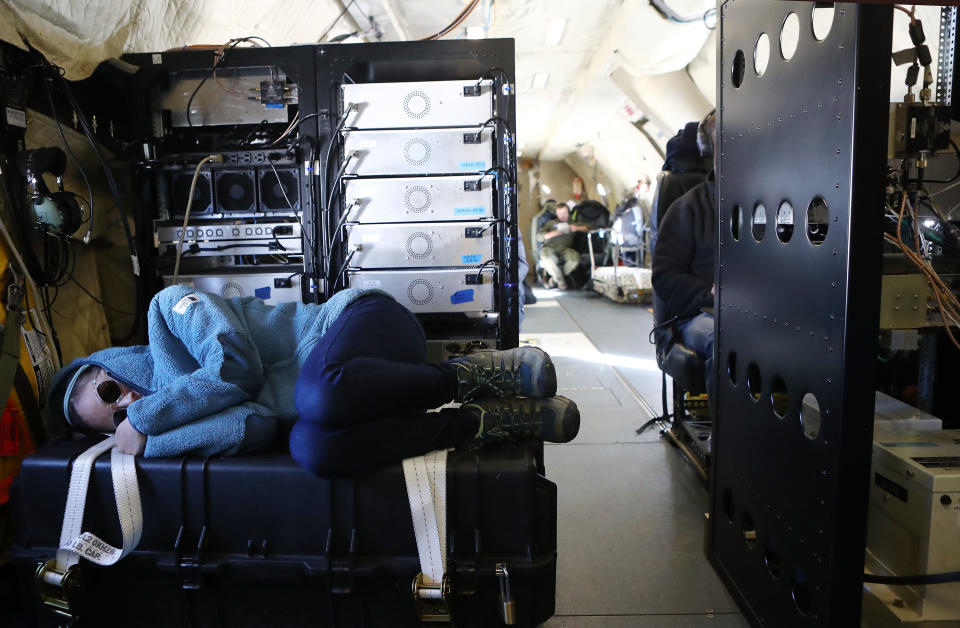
x=683, y=262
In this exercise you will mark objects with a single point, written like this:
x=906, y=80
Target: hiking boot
x=521, y=372
x=555, y=420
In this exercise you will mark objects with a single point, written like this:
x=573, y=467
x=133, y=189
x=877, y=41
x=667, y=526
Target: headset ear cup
x=71, y=217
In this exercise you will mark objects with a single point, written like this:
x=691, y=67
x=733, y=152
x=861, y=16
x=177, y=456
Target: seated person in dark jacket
x=558, y=255
x=683, y=262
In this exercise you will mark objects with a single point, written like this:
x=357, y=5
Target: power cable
x=335, y=20
x=186, y=214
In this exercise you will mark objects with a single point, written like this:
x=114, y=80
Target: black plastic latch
x=188, y=567
x=472, y=186
x=472, y=138
x=471, y=90
x=475, y=279
x=473, y=232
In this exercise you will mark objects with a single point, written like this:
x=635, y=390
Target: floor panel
x=631, y=510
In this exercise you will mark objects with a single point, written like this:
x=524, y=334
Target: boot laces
x=498, y=381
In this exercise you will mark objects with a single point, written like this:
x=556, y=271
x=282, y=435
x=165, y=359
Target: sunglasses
x=108, y=391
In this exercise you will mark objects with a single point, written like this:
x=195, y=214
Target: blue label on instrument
x=471, y=259
x=262, y=293
x=274, y=106
x=469, y=211
x=461, y=296
x=473, y=165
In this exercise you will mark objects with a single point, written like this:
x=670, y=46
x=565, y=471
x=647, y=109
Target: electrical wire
x=455, y=23
x=296, y=214
x=104, y=305
x=949, y=305
x=334, y=22
x=667, y=13
x=186, y=214
x=76, y=162
x=344, y=266
x=37, y=321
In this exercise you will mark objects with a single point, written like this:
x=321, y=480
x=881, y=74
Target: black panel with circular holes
x=798, y=284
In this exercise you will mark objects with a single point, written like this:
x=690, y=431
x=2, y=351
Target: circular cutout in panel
x=761, y=54
x=754, y=382
x=778, y=396
x=758, y=224
x=785, y=221
x=818, y=221
x=810, y=415
x=822, y=20
x=800, y=590
x=738, y=69
x=420, y=292
x=416, y=152
x=728, y=506
x=771, y=558
x=736, y=221
x=789, y=36
x=416, y=104
x=417, y=199
x=419, y=245
x=749, y=529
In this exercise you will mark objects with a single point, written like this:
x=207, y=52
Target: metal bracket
x=188, y=568
x=508, y=611
x=57, y=588
x=432, y=600
x=945, y=54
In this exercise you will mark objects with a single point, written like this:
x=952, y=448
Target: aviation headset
x=57, y=213
x=705, y=131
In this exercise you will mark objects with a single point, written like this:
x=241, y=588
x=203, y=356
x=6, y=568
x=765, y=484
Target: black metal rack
x=796, y=315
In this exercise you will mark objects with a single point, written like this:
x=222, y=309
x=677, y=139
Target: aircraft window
x=761, y=54
x=778, y=396
x=790, y=36
x=732, y=367
x=785, y=221
x=810, y=415
x=736, y=221
x=822, y=20
x=738, y=69
x=759, y=222
x=754, y=383
x=818, y=221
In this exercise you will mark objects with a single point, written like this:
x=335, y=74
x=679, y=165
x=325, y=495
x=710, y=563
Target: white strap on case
x=426, y=478
x=75, y=543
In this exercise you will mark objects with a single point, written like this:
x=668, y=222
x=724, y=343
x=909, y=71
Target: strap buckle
x=58, y=587
x=431, y=599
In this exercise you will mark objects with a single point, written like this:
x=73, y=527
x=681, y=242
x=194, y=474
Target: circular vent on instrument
x=420, y=292
x=417, y=199
x=202, y=197
x=416, y=152
x=274, y=186
x=231, y=289
x=236, y=191
x=419, y=245
x=416, y=104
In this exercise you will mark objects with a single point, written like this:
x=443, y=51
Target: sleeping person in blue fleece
x=221, y=376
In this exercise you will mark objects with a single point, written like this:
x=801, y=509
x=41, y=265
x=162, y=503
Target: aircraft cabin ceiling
x=587, y=73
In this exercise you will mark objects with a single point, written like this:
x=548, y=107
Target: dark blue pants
x=364, y=391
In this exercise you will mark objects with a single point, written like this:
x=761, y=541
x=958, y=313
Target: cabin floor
x=630, y=509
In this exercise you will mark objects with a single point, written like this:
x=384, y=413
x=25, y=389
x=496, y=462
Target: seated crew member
x=683, y=261
x=220, y=376
x=558, y=257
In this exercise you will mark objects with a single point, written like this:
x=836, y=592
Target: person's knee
x=317, y=395
x=310, y=447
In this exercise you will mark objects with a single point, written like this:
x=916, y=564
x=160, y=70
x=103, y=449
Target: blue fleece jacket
x=218, y=375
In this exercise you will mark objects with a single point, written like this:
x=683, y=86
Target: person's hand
x=129, y=440
x=563, y=227
x=713, y=292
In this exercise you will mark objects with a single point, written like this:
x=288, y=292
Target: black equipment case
x=258, y=541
